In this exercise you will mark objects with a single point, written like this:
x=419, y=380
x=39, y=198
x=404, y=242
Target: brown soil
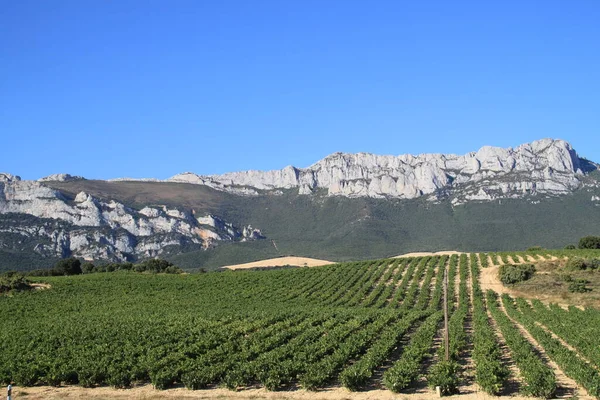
x=148, y=393
x=428, y=253
x=282, y=261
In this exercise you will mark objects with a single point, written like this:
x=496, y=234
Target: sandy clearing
x=282, y=261
x=146, y=392
x=429, y=253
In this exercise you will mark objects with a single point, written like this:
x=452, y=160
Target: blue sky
x=109, y=89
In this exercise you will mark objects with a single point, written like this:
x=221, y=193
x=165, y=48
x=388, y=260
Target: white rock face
x=110, y=229
x=6, y=177
x=545, y=166
x=60, y=178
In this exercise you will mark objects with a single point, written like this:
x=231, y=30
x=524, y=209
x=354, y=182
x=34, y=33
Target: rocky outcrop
x=94, y=228
x=60, y=178
x=544, y=166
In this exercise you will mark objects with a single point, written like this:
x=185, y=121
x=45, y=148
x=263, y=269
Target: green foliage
x=510, y=274
x=570, y=247
x=67, y=266
x=490, y=373
x=569, y=361
x=589, y=242
x=535, y=248
x=445, y=374
x=14, y=282
x=406, y=370
x=539, y=379
x=582, y=264
x=579, y=286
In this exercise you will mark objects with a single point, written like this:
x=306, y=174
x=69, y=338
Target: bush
x=535, y=248
x=511, y=274
x=589, y=242
x=579, y=286
x=445, y=375
x=570, y=247
x=16, y=282
x=580, y=264
x=87, y=268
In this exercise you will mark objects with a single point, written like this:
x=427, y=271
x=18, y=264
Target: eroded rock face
x=544, y=166
x=96, y=229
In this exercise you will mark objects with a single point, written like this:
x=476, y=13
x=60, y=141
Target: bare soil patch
x=280, y=262
x=429, y=253
x=146, y=392
x=40, y=286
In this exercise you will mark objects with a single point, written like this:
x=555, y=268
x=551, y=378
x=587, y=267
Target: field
x=360, y=330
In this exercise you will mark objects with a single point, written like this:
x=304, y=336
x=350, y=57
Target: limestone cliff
x=544, y=166
x=97, y=229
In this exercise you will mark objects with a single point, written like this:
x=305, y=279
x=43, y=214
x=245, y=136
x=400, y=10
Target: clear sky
x=109, y=89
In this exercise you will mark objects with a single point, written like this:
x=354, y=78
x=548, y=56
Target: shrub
x=511, y=274
x=445, y=375
x=87, y=267
x=579, y=286
x=15, y=282
x=570, y=247
x=589, y=242
x=580, y=264
x=535, y=248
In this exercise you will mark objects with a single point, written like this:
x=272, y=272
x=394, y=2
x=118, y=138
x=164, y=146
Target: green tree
x=589, y=242
x=67, y=266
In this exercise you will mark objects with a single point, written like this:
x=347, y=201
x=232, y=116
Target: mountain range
x=345, y=206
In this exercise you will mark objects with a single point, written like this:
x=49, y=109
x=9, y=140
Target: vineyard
x=375, y=325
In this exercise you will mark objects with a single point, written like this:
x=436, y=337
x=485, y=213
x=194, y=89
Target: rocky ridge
x=92, y=228
x=545, y=166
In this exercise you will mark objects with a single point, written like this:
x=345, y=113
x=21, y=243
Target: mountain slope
x=501, y=206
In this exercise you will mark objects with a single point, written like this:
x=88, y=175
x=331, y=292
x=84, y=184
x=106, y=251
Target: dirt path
x=148, y=393
x=566, y=387
x=488, y=279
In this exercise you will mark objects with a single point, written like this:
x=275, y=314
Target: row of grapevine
x=406, y=370
x=357, y=375
x=574, y=327
x=568, y=361
x=381, y=285
x=320, y=372
x=539, y=379
x=404, y=282
x=388, y=291
x=490, y=373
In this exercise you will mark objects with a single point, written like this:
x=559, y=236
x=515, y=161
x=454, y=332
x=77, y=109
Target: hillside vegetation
x=343, y=229
x=372, y=324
